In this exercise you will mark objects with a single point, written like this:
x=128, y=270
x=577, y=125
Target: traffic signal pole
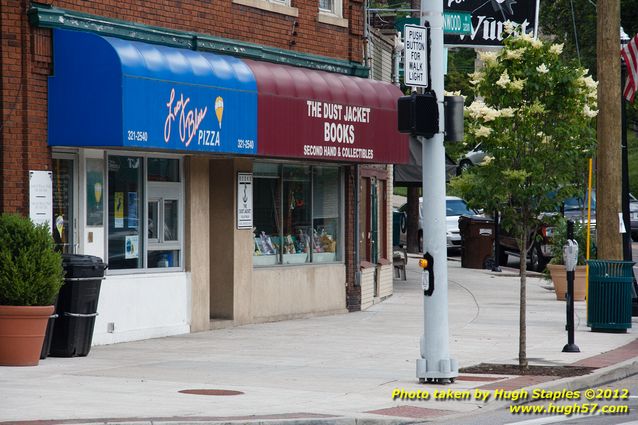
x=435, y=363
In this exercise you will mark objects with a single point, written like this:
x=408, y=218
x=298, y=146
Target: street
x=502, y=415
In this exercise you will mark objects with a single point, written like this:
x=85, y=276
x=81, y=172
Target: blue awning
x=109, y=92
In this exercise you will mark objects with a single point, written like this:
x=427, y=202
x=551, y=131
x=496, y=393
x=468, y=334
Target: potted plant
x=556, y=266
x=31, y=275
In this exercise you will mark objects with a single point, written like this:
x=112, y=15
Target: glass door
x=64, y=226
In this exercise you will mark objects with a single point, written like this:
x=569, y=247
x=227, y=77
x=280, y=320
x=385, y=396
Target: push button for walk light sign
x=416, y=56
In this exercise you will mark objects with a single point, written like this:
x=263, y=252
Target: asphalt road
x=503, y=416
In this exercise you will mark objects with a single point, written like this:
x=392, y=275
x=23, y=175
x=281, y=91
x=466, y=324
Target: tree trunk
x=413, y=220
x=522, y=329
x=609, y=240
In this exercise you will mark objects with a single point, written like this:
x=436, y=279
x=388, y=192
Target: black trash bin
x=77, y=305
x=46, y=345
x=477, y=240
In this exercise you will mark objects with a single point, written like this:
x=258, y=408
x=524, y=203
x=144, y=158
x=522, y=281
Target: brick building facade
x=292, y=37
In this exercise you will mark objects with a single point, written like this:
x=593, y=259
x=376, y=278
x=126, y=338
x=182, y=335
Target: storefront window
x=144, y=234
x=63, y=217
x=267, y=211
x=124, y=212
x=296, y=214
x=163, y=206
x=94, y=192
x=325, y=211
x=163, y=170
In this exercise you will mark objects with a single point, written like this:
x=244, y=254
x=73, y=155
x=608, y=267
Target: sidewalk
x=331, y=370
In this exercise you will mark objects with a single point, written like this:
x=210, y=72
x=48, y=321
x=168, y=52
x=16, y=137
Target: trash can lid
x=83, y=260
x=476, y=218
x=76, y=265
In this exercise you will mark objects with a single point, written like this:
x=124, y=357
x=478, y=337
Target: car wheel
x=465, y=165
x=537, y=260
x=502, y=257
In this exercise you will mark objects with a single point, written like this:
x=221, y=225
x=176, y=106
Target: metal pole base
x=571, y=348
x=447, y=370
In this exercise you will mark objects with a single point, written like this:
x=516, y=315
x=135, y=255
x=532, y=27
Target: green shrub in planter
x=559, y=239
x=31, y=271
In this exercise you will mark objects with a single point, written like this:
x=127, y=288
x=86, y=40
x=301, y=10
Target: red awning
x=304, y=113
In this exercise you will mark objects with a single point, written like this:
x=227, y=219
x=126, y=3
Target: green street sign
x=457, y=23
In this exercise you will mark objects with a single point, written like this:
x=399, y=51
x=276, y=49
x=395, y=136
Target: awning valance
x=110, y=92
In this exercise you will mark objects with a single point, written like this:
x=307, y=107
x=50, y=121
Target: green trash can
x=609, y=295
x=398, y=223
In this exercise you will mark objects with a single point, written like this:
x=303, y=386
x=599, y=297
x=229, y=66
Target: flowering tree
x=533, y=116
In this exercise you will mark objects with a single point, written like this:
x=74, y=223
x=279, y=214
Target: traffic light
x=418, y=114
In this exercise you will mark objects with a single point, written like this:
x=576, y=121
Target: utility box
x=477, y=239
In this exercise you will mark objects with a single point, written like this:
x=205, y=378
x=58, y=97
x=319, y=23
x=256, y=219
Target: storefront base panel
x=384, y=275
x=367, y=287
x=284, y=293
x=142, y=306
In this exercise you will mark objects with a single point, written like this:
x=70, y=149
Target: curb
x=300, y=421
x=600, y=377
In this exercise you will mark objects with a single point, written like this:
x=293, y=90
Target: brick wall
x=23, y=91
x=224, y=18
x=25, y=61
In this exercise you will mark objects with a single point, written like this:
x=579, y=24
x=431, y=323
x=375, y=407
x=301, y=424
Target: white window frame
x=181, y=217
x=276, y=6
x=333, y=16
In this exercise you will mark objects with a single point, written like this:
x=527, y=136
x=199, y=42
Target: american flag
x=630, y=55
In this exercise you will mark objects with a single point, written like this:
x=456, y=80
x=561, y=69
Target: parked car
x=471, y=158
x=454, y=208
x=539, y=241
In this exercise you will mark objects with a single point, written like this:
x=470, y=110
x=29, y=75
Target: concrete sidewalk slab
x=331, y=368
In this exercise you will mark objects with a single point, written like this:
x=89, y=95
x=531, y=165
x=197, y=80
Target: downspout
x=366, y=38
x=2, y=122
x=357, y=266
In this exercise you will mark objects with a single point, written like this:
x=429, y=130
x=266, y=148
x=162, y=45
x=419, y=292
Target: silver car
x=471, y=158
x=454, y=208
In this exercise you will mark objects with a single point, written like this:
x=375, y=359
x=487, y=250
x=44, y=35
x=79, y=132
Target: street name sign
x=416, y=56
x=456, y=22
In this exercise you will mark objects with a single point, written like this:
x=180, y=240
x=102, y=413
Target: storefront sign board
x=488, y=18
x=244, y=200
x=41, y=197
x=323, y=116
x=169, y=115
